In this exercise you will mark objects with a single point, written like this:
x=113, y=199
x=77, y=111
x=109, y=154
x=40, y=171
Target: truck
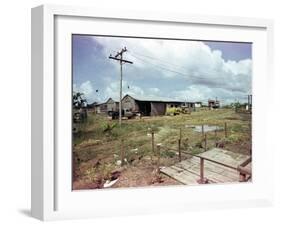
x=125, y=113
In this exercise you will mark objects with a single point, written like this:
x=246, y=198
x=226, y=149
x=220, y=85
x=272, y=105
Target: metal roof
x=155, y=99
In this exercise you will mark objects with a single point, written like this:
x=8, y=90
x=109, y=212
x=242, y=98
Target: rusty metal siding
x=158, y=109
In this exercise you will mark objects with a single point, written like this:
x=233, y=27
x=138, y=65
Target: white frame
x=43, y=107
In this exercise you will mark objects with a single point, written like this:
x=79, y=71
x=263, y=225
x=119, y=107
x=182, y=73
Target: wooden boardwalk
x=188, y=171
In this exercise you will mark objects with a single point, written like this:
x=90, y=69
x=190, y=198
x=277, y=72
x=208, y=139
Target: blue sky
x=175, y=69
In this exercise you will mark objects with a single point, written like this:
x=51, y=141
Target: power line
x=119, y=57
x=160, y=60
x=161, y=67
x=164, y=68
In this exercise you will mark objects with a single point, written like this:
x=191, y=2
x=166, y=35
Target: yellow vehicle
x=177, y=110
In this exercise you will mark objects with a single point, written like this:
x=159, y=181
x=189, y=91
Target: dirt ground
x=98, y=144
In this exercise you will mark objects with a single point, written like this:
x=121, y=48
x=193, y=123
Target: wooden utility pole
x=119, y=57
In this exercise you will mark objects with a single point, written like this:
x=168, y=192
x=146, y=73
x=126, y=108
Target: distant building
x=152, y=106
x=213, y=104
x=109, y=105
x=146, y=106
x=112, y=105
x=198, y=104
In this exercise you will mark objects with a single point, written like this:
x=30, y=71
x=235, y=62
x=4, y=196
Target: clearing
x=97, y=146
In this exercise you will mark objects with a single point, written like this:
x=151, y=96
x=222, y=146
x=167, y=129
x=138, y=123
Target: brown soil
x=138, y=174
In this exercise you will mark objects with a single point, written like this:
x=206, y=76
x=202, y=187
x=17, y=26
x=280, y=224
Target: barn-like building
x=109, y=105
x=151, y=106
x=145, y=105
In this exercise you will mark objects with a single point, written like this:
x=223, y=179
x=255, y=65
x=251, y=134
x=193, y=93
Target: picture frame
x=52, y=196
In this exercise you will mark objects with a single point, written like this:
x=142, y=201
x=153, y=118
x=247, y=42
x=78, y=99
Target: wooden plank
x=188, y=171
x=180, y=175
x=193, y=164
x=211, y=172
x=224, y=156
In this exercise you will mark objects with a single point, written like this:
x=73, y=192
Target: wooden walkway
x=188, y=171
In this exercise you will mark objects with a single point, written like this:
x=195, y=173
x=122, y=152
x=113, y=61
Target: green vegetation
x=100, y=138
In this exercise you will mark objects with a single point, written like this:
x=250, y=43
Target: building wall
x=101, y=108
x=129, y=103
x=112, y=105
x=158, y=109
x=170, y=105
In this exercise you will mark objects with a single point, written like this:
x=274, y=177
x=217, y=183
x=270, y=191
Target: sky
x=181, y=70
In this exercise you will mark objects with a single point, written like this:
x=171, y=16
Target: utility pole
x=119, y=57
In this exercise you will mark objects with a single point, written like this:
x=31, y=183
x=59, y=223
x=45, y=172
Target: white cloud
x=87, y=88
x=154, y=90
x=205, y=71
x=113, y=90
x=89, y=92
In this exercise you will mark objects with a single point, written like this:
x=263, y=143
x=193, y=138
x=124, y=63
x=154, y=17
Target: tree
x=79, y=101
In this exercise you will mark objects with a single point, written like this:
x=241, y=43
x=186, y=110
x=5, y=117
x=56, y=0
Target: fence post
x=180, y=144
x=152, y=140
x=216, y=133
x=242, y=177
x=180, y=133
x=250, y=129
x=202, y=130
x=205, y=142
x=158, y=159
x=122, y=152
x=225, y=129
x=202, y=179
x=179, y=150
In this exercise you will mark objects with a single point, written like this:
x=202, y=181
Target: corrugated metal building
x=109, y=105
x=149, y=106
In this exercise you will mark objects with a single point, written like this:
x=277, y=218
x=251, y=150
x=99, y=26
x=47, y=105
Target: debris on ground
x=109, y=183
x=113, y=179
x=89, y=142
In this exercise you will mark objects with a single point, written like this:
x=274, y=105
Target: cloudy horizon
x=176, y=69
